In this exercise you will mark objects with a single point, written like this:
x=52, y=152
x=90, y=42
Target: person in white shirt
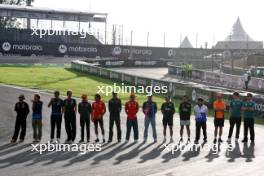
x=200, y=112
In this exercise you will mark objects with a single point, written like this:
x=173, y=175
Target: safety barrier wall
x=175, y=90
x=231, y=81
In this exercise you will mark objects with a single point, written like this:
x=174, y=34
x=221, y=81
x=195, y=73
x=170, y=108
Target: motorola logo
x=6, y=46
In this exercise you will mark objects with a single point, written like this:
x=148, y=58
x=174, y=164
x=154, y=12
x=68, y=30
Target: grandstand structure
x=36, y=13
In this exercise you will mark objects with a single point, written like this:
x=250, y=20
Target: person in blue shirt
x=37, y=118
x=56, y=105
x=235, y=116
x=248, y=109
x=150, y=109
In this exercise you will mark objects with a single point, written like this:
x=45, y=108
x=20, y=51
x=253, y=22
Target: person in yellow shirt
x=219, y=108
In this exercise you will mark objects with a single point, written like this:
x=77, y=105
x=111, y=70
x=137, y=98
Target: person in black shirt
x=56, y=105
x=185, y=110
x=69, y=109
x=85, y=110
x=167, y=109
x=22, y=110
x=114, y=107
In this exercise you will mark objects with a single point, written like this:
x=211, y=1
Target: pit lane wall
x=217, y=79
x=175, y=89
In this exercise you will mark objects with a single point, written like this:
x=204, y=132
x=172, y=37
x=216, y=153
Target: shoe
x=67, y=141
x=214, y=140
x=244, y=141
x=171, y=140
x=236, y=139
x=96, y=140
x=51, y=141
x=181, y=140
x=205, y=140
x=58, y=140
x=145, y=140
x=13, y=141
x=189, y=140
x=21, y=140
x=196, y=142
x=164, y=139
x=136, y=140
x=126, y=140
x=88, y=141
x=228, y=140
x=220, y=140
x=109, y=141
x=103, y=140
x=119, y=140
x=252, y=142
x=81, y=141
x=155, y=140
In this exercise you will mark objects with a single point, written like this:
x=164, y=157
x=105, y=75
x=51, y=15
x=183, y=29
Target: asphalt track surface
x=121, y=158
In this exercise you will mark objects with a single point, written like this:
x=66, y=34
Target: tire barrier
x=175, y=89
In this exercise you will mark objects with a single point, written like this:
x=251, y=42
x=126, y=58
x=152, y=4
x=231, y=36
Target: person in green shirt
x=235, y=116
x=85, y=110
x=248, y=109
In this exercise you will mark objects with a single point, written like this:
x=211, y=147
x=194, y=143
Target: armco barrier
x=176, y=90
x=231, y=81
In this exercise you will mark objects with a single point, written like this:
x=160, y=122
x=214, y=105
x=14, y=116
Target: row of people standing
x=94, y=112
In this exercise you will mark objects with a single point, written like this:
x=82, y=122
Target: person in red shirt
x=98, y=111
x=131, y=109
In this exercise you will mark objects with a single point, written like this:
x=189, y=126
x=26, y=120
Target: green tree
x=6, y=22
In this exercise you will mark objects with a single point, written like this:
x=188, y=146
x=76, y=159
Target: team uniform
x=85, y=109
x=249, y=120
x=131, y=109
x=167, y=110
x=56, y=117
x=150, y=110
x=70, y=118
x=200, y=118
x=114, y=107
x=185, y=113
x=235, y=117
x=98, y=109
x=37, y=120
x=22, y=110
x=219, y=118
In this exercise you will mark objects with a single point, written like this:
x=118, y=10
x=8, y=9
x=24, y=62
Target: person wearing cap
x=37, y=118
x=248, y=109
x=185, y=110
x=131, y=109
x=235, y=116
x=85, y=110
x=200, y=112
x=56, y=104
x=219, y=117
x=114, y=107
x=168, y=110
x=22, y=110
x=98, y=111
x=69, y=110
x=150, y=109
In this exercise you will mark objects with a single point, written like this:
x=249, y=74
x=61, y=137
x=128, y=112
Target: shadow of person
x=173, y=152
x=84, y=157
x=248, y=152
x=132, y=154
x=214, y=152
x=234, y=153
x=13, y=148
x=109, y=155
x=152, y=154
x=7, y=146
x=193, y=151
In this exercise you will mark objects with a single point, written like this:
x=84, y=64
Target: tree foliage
x=7, y=22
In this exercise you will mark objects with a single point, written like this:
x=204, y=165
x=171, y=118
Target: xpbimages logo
x=51, y=147
x=149, y=90
x=43, y=32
